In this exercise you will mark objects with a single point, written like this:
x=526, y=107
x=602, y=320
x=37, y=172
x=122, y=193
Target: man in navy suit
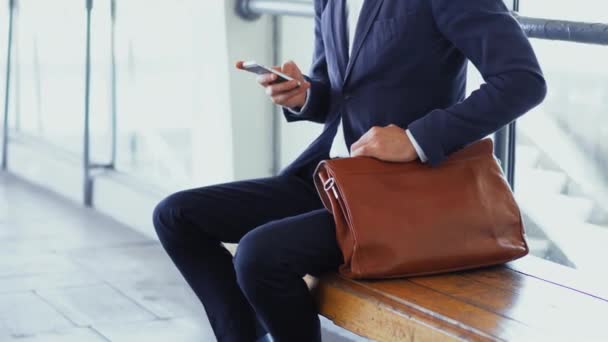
x=388, y=82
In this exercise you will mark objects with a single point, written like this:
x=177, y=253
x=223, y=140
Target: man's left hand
x=389, y=143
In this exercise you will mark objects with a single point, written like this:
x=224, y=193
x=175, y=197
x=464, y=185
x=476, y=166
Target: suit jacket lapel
x=338, y=28
x=369, y=11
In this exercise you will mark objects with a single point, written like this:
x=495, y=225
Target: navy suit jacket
x=408, y=68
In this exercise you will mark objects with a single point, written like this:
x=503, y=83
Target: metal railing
x=9, y=56
x=563, y=30
x=252, y=9
x=88, y=165
x=568, y=31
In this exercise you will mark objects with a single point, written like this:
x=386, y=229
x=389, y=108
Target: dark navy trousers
x=283, y=233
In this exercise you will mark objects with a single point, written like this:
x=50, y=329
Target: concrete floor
x=71, y=274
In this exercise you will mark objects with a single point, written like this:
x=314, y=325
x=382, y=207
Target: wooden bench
x=527, y=300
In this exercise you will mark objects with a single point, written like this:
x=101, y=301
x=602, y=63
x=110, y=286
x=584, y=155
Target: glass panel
x=155, y=90
x=100, y=101
x=49, y=50
x=562, y=150
x=3, y=45
x=296, y=43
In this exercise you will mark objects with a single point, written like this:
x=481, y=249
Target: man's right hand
x=287, y=94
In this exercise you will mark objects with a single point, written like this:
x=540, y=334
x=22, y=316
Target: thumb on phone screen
x=290, y=68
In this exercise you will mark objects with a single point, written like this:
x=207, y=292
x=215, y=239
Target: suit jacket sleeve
x=486, y=33
x=317, y=105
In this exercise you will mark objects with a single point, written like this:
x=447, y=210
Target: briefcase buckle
x=330, y=184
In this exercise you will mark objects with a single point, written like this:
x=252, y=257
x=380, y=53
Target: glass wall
x=296, y=43
x=154, y=83
x=562, y=146
x=3, y=45
x=48, y=73
x=155, y=60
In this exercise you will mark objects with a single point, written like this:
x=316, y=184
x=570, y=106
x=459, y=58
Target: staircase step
x=565, y=207
x=537, y=180
x=527, y=156
x=566, y=154
x=584, y=244
x=580, y=207
x=538, y=247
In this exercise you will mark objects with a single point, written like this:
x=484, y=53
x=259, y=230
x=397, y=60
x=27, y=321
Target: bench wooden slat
x=445, y=306
x=593, y=284
x=540, y=311
x=499, y=303
x=352, y=308
x=562, y=298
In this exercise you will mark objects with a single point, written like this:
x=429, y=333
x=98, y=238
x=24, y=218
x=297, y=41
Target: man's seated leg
x=272, y=260
x=192, y=225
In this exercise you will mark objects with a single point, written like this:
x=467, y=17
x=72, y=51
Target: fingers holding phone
x=291, y=93
x=288, y=94
x=285, y=85
x=266, y=79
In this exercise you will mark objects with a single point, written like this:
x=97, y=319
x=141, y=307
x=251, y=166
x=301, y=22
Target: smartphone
x=262, y=70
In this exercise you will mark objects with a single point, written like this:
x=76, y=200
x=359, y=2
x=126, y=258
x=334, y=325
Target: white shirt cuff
x=303, y=109
x=417, y=147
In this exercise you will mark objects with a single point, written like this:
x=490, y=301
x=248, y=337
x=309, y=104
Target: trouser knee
x=169, y=218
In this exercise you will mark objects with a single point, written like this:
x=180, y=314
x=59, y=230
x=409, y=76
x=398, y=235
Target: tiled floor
x=70, y=274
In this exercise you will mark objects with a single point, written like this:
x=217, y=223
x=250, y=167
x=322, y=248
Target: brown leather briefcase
x=405, y=219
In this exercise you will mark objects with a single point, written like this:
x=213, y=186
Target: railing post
x=88, y=181
x=511, y=153
x=512, y=137
x=113, y=94
x=501, y=148
x=505, y=139
x=244, y=10
x=9, y=54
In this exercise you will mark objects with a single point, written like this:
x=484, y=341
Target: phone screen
x=262, y=70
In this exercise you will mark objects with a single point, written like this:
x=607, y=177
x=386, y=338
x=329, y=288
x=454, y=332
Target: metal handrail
x=253, y=9
x=563, y=30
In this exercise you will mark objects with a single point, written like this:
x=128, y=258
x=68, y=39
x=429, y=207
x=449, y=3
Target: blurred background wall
x=184, y=117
